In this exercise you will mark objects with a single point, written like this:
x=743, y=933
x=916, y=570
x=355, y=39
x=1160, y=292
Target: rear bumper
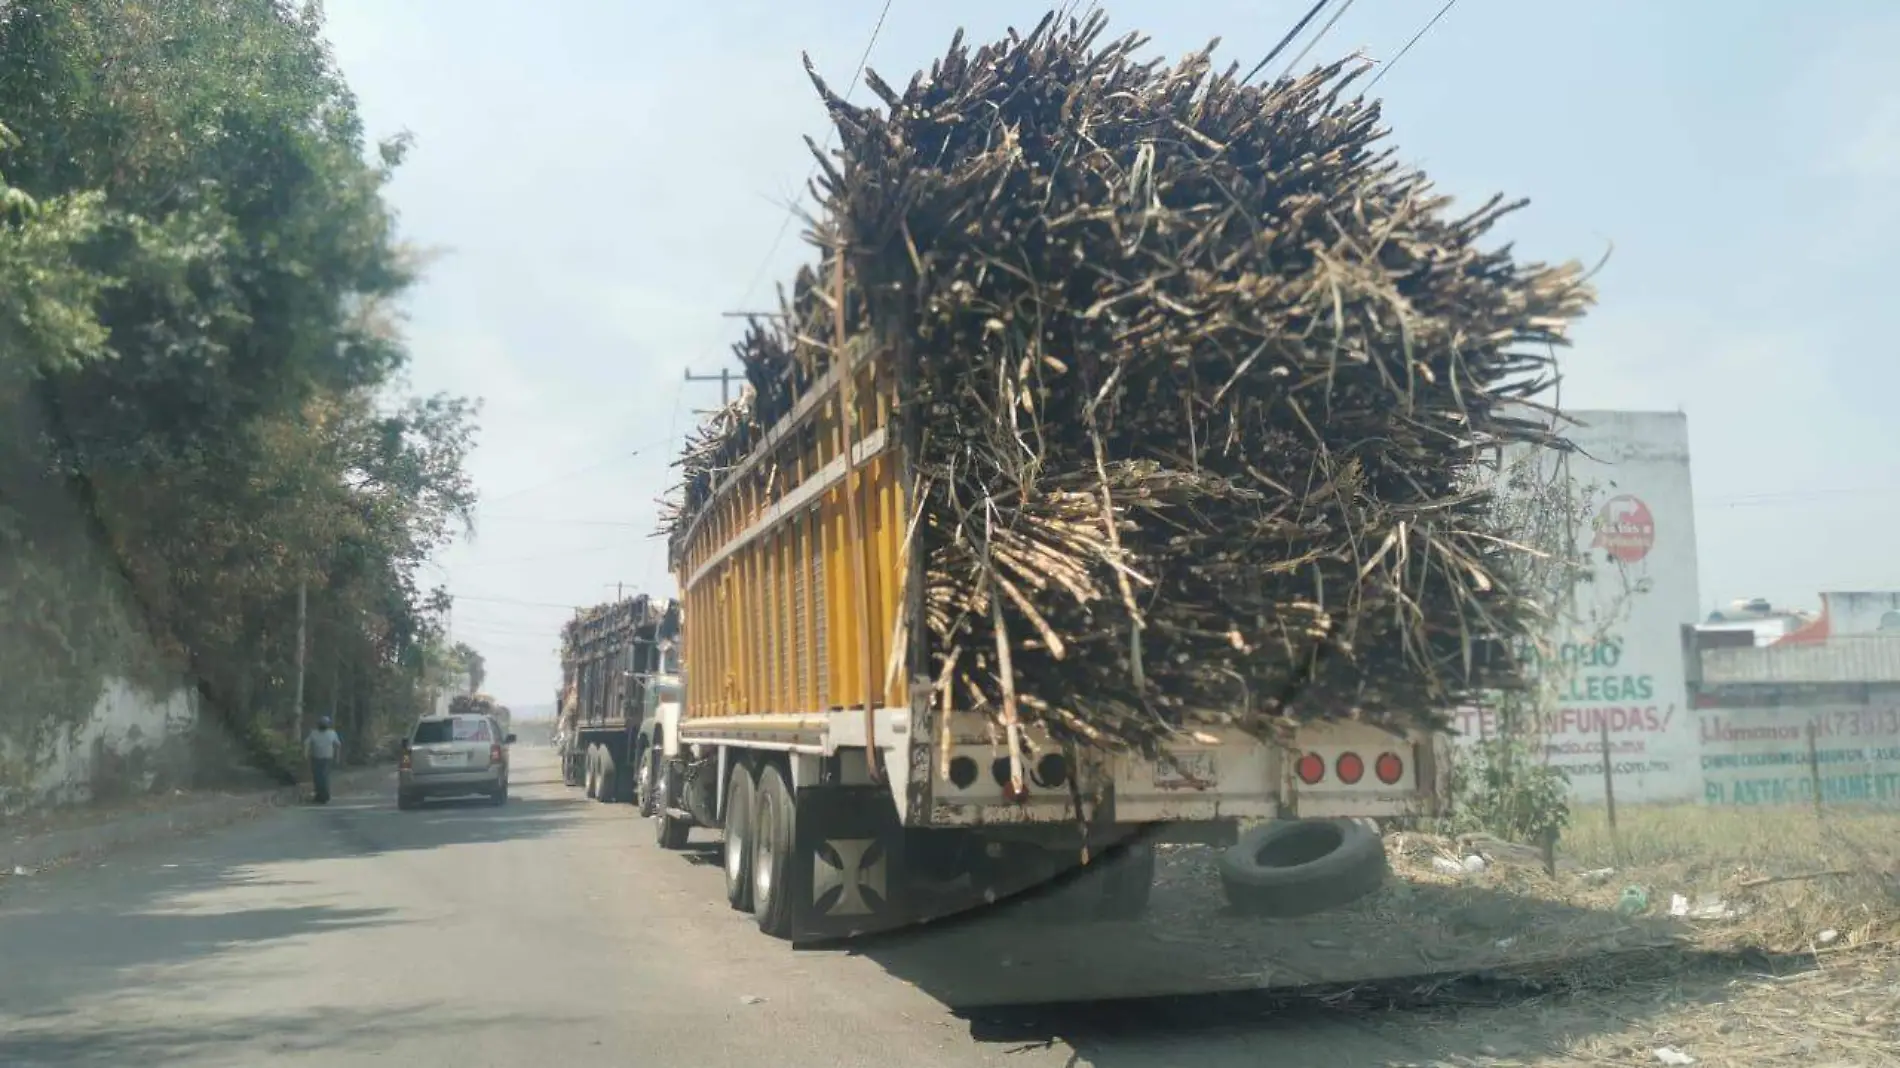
x=459, y=782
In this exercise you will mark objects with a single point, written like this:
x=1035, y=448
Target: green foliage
x=1504, y=787
x=473, y=663
x=46, y=299
x=196, y=361
x=1504, y=784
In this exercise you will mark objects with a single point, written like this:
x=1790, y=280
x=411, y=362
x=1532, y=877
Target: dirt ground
x=1726, y=938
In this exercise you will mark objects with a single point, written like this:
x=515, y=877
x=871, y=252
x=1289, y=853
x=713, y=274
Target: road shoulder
x=83, y=833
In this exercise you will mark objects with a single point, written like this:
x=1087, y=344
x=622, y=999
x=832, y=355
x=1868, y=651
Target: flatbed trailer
x=849, y=798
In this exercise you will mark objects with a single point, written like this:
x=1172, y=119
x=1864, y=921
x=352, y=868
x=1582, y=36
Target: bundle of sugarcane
x=1203, y=375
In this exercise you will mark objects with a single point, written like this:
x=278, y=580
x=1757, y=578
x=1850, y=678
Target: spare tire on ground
x=1299, y=867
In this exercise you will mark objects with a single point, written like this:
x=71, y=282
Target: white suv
x=454, y=756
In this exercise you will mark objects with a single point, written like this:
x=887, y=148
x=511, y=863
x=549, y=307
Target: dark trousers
x=320, y=779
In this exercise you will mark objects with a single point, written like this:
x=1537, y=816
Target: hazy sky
x=603, y=178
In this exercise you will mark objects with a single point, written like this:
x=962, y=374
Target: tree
x=1505, y=784
x=473, y=664
x=196, y=368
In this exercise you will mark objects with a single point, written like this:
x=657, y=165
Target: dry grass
x=1843, y=1010
x=1787, y=875
x=1790, y=952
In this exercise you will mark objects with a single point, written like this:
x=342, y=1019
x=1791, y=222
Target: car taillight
x=494, y=753
x=1389, y=768
x=1350, y=768
x=405, y=763
x=1311, y=769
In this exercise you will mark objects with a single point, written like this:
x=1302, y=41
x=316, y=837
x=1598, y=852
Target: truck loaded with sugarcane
x=616, y=660
x=1107, y=481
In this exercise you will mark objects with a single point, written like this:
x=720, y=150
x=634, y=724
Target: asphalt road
x=551, y=932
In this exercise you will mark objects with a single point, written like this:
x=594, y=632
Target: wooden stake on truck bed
x=860, y=570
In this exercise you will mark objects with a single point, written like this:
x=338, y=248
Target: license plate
x=1193, y=770
x=445, y=760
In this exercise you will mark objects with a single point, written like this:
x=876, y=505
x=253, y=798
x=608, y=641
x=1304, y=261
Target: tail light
x=494, y=753
x=405, y=763
x=1311, y=768
x=1350, y=767
x=1389, y=768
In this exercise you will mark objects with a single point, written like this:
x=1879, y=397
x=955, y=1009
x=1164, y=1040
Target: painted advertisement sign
x=1761, y=756
x=1618, y=664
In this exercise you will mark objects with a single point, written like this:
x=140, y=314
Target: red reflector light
x=1350, y=768
x=1389, y=768
x=494, y=754
x=1311, y=769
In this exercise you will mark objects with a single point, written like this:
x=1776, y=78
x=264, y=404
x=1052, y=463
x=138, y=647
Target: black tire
x=570, y=768
x=1299, y=867
x=406, y=800
x=736, y=838
x=590, y=779
x=499, y=797
x=669, y=830
x=607, y=779
x=1127, y=882
x=773, y=838
x=646, y=794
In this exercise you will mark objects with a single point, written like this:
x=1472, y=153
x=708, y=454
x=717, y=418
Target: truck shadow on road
x=256, y=1039
x=1027, y=972
x=97, y=927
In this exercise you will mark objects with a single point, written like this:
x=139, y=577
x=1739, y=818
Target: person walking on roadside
x=323, y=747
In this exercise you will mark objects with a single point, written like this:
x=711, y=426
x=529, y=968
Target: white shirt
x=323, y=744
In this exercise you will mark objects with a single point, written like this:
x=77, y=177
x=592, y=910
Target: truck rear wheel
x=774, y=836
x=646, y=794
x=736, y=837
x=590, y=776
x=669, y=830
x=606, y=782
x=1299, y=867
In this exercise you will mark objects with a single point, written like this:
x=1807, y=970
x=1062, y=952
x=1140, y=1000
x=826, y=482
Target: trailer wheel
x=774, y=836
x=591, y=785
x=669, y=830
x=736, y=838
x=1299, y=867
x=607, y=782
x=570, y=768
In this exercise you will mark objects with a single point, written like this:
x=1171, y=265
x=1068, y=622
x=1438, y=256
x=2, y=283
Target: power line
x=563, y=521
x=1288, y=39
x=1786, y=497
x=1290, y=67
x=672, y=428
x=513, y=601
x=577, y=472
x=1394, y=61
x=561, y=555
x=786, y=223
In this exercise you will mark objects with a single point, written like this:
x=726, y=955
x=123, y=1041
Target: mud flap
x=847, y=867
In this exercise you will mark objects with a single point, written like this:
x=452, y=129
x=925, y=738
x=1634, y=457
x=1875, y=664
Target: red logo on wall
x=1625, y=529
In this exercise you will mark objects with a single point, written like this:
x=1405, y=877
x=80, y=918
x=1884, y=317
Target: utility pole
x=724, y=378
x=302, y=607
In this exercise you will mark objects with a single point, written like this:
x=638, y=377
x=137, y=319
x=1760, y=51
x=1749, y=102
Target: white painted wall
x=1851, y=613
x=127, y=719
x=1622, y=659
x=1760, y=756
